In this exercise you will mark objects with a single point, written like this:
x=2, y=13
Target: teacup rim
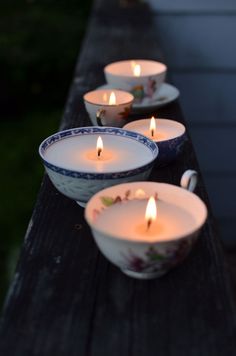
x=105, y=175
x=163, y=119
x=108, y=105
x=142, y=241
x=131, y=76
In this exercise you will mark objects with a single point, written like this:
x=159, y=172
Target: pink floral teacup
x=108, y=107
x=149, y=248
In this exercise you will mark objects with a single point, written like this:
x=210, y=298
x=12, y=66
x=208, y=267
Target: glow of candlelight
x=104, y=98
x=151, y=212
x=152, y=127
x=99, y=146
x=112, y=99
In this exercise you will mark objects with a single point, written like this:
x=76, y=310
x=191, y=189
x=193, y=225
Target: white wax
x=165, y=129
x=79, y=153
x=102, y=96
x=127, y=220
x=148, y=67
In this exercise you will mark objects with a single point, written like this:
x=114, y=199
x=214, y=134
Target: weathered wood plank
x=66, y=298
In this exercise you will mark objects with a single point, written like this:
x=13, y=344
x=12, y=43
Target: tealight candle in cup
x=82, y=161
x=108, y=107
x=146, y=228
x=169, y=134
x=142, y=78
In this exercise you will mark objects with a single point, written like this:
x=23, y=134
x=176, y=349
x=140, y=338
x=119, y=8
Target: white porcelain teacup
x=108, y=107
x=116, y=216
x=142, y=78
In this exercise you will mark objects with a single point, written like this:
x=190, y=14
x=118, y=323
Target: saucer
x=165, y=95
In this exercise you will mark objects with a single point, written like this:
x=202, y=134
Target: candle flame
x=152, y=126
x=151, y=211
x=99, y=146
x=112, y=99
x=104, y=98
x=137, y=70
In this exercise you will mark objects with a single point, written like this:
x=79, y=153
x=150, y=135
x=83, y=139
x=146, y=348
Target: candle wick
x=152, y=132
x=99, y=152
x=149, y=223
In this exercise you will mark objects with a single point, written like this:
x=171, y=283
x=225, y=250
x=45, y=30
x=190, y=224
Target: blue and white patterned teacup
x=134, y=153
x=170, y=137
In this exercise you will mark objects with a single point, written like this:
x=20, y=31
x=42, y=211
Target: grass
x=39, y=43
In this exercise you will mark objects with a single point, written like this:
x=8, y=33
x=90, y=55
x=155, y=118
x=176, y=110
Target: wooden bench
x=66, y=298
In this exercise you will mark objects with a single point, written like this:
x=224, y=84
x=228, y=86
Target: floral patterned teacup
x=116, y=218
x=142, y=78
x=108, y=107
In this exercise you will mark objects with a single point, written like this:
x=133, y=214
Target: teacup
x=78, y=171
x=141, y=249
x=142, y=78
x=108, y=107
x=170, y=135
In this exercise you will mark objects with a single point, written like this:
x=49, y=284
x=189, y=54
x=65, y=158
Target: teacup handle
x=189, y=180
x=100, y=115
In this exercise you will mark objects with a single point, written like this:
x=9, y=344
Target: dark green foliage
x=39, y=43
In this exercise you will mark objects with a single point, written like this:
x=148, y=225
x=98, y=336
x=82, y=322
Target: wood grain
x=66, y=298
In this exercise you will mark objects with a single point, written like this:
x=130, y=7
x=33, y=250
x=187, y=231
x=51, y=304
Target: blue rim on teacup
x=82, y=178
x=95, y=130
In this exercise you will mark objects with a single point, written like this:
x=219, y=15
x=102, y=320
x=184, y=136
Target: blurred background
x=198, y=40
x=40, y=41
